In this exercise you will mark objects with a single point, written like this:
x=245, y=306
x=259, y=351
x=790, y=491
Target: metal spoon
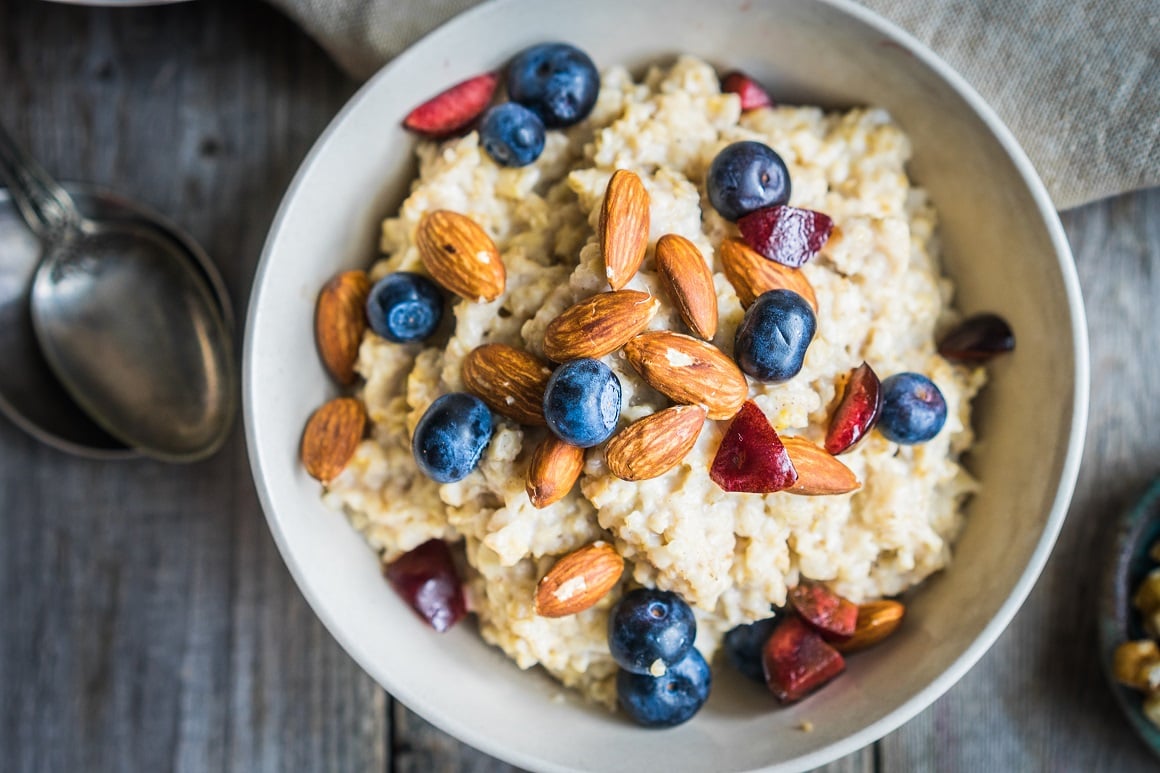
x=126, y=321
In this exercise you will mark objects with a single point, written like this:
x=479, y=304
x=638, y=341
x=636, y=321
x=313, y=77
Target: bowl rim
x=972, y=652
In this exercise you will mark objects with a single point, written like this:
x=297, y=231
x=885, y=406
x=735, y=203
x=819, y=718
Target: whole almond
x=655, y=444
x=578, y=580
x=511, y=381
x=460, y=256
x=689, y=282
x=340, y=319
x=624, y=224
x=818, y=471
x=751, y=274
x=332, y=434
x=553, y=471
x=689, y=371
x=599, y=325
x=876, y=621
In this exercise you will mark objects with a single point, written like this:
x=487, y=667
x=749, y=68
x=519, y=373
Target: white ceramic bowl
x=1003, y=246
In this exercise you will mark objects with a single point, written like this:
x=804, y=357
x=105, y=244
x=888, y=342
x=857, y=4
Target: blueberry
x=582, y=402
x=557, y=81
x=404, y=307
x=650, y=625
x=664, y=701
x=451, y=436
x=774, y=334
x=913, y=409
x=743, y=646
x=745, y=177
x=512, y=135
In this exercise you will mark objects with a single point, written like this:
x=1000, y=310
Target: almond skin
x=876, y=621
x=511, y=381
x=689, y=282
x=599, y=325
x=751, y=274
x=818, y=472
x=578, y=580
x=331, y=437
x=689, y=371
x=553, y=471
x=460, y=256
x=340, y=319
x=652, y=446
x=624, y=226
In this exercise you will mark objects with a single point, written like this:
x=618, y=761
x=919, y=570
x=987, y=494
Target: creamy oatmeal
x=880, y=297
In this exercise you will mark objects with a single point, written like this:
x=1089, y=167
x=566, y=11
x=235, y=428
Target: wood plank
x=149, y=623
x=1037, y=700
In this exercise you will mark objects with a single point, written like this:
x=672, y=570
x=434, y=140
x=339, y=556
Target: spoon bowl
x=136, y=338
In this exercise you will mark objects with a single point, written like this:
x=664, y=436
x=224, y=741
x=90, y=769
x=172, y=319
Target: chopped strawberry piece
x=828, y=613
x=798, y=661
x=427, y=580
x=751, y=93
x=454, y=109
x=786, y=235
x=751, y=457
x=857, y=413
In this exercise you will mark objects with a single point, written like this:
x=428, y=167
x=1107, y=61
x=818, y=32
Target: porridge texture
x=881, y=298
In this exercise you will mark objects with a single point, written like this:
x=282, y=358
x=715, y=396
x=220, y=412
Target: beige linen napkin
x=1077, y=81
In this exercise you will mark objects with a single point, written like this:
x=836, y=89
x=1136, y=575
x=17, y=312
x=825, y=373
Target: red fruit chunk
x=798, y=661
x=977, y=339
x=857, y=413
x=752, y=95
x=828, y=613
x=751, y=458
x=786, y=235
x=453, y=109
x=427, y=580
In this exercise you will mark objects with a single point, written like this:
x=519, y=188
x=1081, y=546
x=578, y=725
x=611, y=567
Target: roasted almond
x=689, y=371
x=460, y=256
x=332, y=434
x=655, y=444
x=818, y=471
x=340, y=319
x=511, y=381
x=599, y=325
x=578, y=580
x=624, y=224
x=751, y=274
x=689, y=282
x=553, y=470
x=876, y=621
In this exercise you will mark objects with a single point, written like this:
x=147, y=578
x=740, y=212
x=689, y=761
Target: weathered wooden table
x=147, y=622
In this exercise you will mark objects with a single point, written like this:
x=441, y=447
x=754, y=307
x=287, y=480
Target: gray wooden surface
x=147, y=622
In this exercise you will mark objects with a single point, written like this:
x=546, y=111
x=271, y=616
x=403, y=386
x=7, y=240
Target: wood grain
x=147, y=622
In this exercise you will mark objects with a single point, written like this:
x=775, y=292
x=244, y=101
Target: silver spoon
x=126, y=321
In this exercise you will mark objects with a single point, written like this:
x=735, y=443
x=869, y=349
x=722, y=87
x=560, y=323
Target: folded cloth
x=1077, y=82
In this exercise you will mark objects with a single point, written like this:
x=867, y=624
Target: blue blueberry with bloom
x=669, y=699
x=404, y=307
x=649, y=630
x=743, y=646
x=512, y=134
x=556, y=81
x=582, y=402
x=774, y=335
x=745, y=177
x=913, y=409
x=451, y=436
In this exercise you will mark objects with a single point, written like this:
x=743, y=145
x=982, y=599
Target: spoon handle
x=45, y=206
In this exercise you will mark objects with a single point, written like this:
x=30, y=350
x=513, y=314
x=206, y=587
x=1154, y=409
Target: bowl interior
x=1137, y=530
x=1002, y=244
